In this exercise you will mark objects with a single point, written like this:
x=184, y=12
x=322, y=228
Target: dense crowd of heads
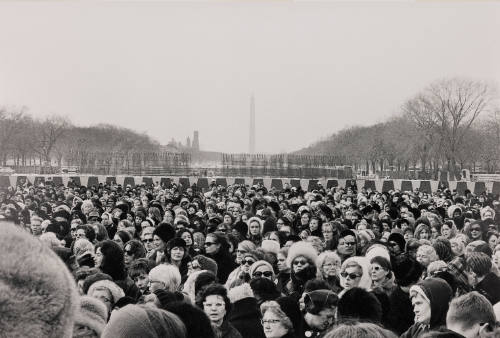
x=245, y=261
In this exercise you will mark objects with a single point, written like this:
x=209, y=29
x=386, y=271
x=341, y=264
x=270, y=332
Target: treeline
x=38, y=141
x=452, y=124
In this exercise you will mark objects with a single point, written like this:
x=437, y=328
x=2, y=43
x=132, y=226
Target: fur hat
x=398, y=238
x=451, y=210
x=92, y=314
x=406, y=270
x=115, y=291
x=359, y=305
x=257, y=264
x=271, y=246
x=176, y=242
x=301, y=249
x=377, y=250
x=240, y=292
x=38, y=294
x=485, y=210
x=206, y=263
x=165, y=232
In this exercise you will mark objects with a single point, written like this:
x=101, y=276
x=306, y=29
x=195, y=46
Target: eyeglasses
x=376, y=268
x=247, y=262
x=147, y=240
x=270, y=321
x=258, y=274
x=350, y=275
x=209, y=243
x=301, y=262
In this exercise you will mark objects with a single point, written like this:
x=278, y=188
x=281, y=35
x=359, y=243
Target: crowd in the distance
x=241, y=261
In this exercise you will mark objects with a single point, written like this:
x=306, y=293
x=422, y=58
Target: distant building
x=196, y=141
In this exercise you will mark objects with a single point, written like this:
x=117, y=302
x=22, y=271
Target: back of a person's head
x=38, y=295
x=357, y=304
x=468, y=310
x=190, y=314
x=203, y=279
x=359, y=330
x=168, y=274
x=145, y=321
x=479, y=263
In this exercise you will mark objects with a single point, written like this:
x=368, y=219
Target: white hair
x=168, y=274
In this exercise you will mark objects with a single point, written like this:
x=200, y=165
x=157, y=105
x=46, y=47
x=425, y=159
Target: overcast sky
x=168, y=68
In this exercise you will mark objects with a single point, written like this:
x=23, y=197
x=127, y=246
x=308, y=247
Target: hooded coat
x=439, y=294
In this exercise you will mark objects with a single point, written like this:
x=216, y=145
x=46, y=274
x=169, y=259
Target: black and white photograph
x=249, y=169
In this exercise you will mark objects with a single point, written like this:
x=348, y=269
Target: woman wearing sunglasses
x=217, y=248
x=302, y=261
x=381, y=274
x=262, y=269
x=245, y=257
x=355, y=273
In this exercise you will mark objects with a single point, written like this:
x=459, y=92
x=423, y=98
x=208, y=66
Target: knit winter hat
x=258, y=264
x=479, y=263
x=304, y=249
x=206, y=263
x=38, y=295
x=92, y=314
x=115, y=291
x=271, y=246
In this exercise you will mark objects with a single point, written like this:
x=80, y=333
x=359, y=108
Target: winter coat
x=225, y=264
x=245, y=317
x=128, y=286
x=490, y=287
x=226, y=330
x=401, y=315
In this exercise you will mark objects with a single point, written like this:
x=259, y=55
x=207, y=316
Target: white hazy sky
x=168, y=68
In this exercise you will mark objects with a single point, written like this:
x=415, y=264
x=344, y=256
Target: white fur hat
x=269, y=245
x=301, y=249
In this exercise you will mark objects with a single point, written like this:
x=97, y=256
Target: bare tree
x=48, y=132
x=10, y=126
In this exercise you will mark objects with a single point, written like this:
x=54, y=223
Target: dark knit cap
x=165, y=232
x=479, y=263
x=407, y=270
x=318, y=300
x=443, y=249
x=206, y=263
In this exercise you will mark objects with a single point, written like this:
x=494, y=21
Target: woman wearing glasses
x=235, y=276
x=275, y=320
x=381, y=274
x=302, y=260
x=328, y=264
x=217, y=248
x=214, y=301
x=355, y=273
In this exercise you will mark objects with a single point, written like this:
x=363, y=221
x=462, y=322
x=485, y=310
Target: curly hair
x=112, y=260
x=217, y=290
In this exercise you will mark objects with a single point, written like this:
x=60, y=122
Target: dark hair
x=112, y=260
x=102, y=233
x=138, y=267
x=202, y=280
x=360, y=305
x=124, y=236
x=316, y=284
x=137, y=248
x=189, y=314
x=217, y=290
x=89, y=231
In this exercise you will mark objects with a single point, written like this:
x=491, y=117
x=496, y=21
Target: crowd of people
x=247, y=262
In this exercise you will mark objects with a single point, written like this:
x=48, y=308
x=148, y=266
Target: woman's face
x=117, y=239
x=299, y=263
x=158, y=243
x=496, y=259
x=98, y=257
x=263, y=271
x=455, y=248
x=211, y=245
x=423, y=258
x=215, y=308
x=493, y=241
x=327, y=232
x=168, y=218
x=137, y=203
x=128, y=256
x=331, y=267
x=254, y=228
x=227, y=220
x=434, y=232
x=273, y=327
x=352, y=276
x=446, y=231
x=281, y=262
x=313, y=225
x=304, y=219
x=240, y=251
x=408, y=235
x=377, y=272
x=186, y=236
x=303, y=235
x=177, y=254
x=105, y=297
x=475, y=232
x=424, y=234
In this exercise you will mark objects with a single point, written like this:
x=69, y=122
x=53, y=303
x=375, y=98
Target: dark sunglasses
x=209, y=243
x=301, y=262
x=247, y=262
x=350, y=275
x=147, y=240
x=260, y=274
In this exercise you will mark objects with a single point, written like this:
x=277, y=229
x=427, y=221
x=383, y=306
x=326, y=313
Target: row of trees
x=452, y=124
x=38, y=141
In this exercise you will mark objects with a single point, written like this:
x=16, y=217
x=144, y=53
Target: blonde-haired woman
x=355, y=272
x=328, y=264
